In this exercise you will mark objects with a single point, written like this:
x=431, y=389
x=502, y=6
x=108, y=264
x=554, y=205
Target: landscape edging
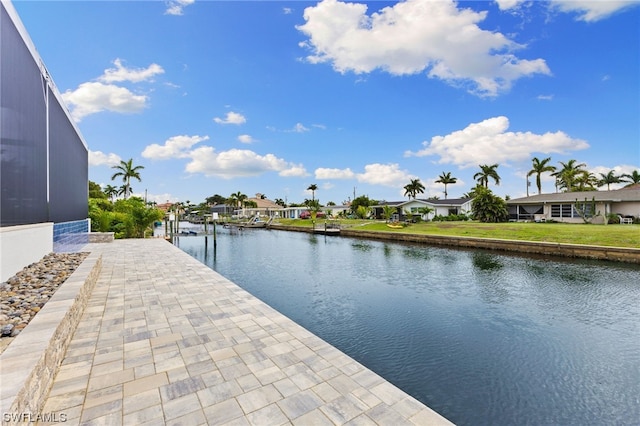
x=29, y=364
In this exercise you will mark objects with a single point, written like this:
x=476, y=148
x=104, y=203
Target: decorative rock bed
x=23, y=295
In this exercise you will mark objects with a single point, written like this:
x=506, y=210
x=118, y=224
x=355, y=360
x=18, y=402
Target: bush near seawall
x=129, y=218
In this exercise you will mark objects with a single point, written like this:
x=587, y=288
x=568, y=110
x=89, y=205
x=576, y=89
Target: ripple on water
x=481, y=337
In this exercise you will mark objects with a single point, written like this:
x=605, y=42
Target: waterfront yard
x=613, y=235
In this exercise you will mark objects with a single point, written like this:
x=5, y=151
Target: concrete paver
x=164, y=339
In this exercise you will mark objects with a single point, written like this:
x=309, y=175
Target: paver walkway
x=166, y=340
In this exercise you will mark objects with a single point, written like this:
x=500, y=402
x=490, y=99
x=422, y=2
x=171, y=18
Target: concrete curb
x=28, y=366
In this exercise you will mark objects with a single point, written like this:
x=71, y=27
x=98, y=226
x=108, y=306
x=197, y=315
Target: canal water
x=481, y=337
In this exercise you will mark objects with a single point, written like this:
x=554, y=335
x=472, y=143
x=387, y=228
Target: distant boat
x=254, y=222
x=395, y=225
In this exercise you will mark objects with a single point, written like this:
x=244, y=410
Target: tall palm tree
x=539, y=167
x=632, y=178
x=413, y=188
x=237, y=198
x=487, y=172
x=585, y=181
x=569, y=174
x=110, y=191
x=446, y=179
x=313, y=187
x=126, y=170
x=608, y=179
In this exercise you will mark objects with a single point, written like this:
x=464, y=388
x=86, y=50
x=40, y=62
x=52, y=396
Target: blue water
x=481, y=337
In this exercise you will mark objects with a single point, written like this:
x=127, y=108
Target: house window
x=569, y=210
x=587, y=208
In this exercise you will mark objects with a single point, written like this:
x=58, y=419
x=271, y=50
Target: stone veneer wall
x=28, y=366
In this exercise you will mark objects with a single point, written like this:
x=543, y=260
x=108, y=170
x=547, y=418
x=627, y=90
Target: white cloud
x=326, y=173
x=489, y=142
x=294, y=171
x=287, y=10
x=374, y=174
x=176, y=7
x=587, y=10
x=384, y=174
x=508, y=4
x=246, y=139
x=237, y=163
x=299, y=128
x=545, y=97
x=592, y=10
x=92, y=97
x=121, y=73
x=231, y=118
x=99, y=158
x=174, y=147
x=416, y=36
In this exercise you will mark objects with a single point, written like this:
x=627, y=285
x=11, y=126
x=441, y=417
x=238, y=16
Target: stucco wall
x=22, y=245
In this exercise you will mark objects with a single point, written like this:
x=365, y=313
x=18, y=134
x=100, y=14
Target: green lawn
x=600, y=235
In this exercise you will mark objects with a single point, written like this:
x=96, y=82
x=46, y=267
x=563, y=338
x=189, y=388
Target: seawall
x=616, y=254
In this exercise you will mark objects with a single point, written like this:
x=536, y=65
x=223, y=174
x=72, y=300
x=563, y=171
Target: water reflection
x=481, y=337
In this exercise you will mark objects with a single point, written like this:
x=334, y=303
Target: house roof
x=618, y=195
x=264, y=203
x=448, y=202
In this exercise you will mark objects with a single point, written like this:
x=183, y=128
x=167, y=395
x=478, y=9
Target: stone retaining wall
x=101, y=237
x=29, y=364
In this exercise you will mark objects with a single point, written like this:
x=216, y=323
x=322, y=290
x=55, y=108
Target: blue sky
x=215, y=97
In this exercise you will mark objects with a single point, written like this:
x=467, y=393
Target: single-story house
x=409, y=208
x=332, y=211
x=265, y=207
x=567, y=206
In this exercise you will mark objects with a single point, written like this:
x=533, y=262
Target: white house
x=561, y=207
x=413, y=207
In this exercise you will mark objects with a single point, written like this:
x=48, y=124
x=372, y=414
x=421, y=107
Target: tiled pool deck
x=166, y=340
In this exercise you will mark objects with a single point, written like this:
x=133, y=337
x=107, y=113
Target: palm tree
x=585, y=181
x=633, y=178
x=237, y=199
x=487, y=172
x=446, y=179
x=313, y=187
x=608, y=179
x=388, y=212
x=127, y=171
x=122, y=190
x=567, y=177
x=539, y=167
x=413, y=188
x=424, y=212
x=110, y=191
